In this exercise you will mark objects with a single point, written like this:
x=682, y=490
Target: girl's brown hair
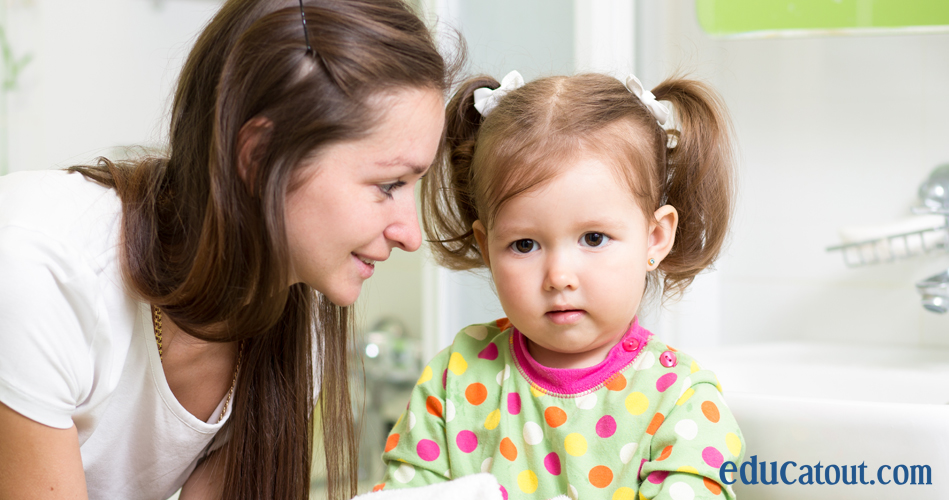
x=207, y=243
x=537, y=128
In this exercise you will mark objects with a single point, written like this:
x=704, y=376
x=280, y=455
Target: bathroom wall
x=833, y=131
x=101, y=75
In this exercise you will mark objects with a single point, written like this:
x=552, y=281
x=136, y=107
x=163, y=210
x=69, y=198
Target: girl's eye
x=594, y=239
x=387, y=189
x=524, y=246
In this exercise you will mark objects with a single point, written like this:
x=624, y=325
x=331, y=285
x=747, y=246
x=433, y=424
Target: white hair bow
x=658, y=109
x=486, y=99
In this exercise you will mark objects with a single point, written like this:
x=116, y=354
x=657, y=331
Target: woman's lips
x=567, y=317
x=365, y=266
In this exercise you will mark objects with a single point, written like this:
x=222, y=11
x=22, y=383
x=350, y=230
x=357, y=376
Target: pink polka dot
x=490, y=352
x=658, y=476
x=552, y=463
x=513, y=403
x=445, y=379
x=712, y=457
x=665, y=382
x=427, y=450
x=467, y=441
x=606, y=426
x=503, y=493
x=642, y=462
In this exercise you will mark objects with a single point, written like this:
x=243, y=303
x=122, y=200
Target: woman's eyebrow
x=399, y=162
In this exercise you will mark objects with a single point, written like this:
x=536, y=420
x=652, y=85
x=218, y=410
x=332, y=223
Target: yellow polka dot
x=537, y=391
x=734, y=443
x=399, y=421
x=685, y=396
x=694, y=367
x=688, y=468
x=624, y=493
x=527, y=481
x=575, y=444
x=494, y=418
x=637, y=403
x=426, y=376
x=642, y=497
x=457, y=363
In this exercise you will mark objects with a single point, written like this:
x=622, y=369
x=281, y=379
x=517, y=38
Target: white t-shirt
x=76, y=348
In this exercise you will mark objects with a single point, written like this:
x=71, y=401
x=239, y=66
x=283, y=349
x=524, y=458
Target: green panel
x=735, y=17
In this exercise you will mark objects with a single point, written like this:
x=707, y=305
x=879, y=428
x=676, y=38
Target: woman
x=167, y=321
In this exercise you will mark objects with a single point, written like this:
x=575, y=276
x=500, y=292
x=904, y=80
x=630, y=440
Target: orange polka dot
x=665, y=453
x=554, y=416
x=378, y=487
x=710, y=411
x=657, y=420
x=673, y=349
x=476, y=393
x=601, y=476
x=712, y=486
x=392, y=442
x=616, y=383
x=503, y=324
x=508, y=450
x=434, y=406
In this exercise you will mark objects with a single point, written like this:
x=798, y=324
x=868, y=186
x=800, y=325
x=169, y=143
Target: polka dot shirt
x=647, y=423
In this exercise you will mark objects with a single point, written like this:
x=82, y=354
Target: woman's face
x=355, y=201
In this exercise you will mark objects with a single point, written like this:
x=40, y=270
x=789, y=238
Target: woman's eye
x=594, y=239
x=387, y=189
x=524, y=246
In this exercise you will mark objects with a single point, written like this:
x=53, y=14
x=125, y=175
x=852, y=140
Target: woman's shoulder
x=68, y=213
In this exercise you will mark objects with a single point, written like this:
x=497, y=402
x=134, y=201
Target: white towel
x=474, y=487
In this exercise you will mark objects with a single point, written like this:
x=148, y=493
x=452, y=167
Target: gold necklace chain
x=240, y=356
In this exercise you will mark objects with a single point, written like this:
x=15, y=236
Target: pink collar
x=573, y=381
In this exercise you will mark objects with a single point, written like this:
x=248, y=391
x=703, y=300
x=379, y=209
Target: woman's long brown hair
x=208, y=244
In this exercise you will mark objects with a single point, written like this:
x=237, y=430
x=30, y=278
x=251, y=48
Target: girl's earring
x=652, y=262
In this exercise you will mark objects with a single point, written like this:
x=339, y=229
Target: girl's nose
x=404, y=231
x=561, y=274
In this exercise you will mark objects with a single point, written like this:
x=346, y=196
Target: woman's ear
x=481, y=236
x=662, y=235
x=251, y=140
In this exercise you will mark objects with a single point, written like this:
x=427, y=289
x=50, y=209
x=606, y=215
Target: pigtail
x=698, y=180
x=448, y=205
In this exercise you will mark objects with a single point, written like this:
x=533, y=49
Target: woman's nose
x=404, y=231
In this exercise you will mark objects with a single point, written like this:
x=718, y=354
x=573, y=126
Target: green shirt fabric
x=644, y=431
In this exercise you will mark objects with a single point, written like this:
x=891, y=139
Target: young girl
x=579, y=201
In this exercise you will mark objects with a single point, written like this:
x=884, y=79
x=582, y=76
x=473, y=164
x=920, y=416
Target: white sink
x=841, y=405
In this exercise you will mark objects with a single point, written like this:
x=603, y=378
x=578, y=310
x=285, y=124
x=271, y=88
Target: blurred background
x=840, y=108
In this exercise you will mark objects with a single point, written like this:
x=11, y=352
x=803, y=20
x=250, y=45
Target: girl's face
x=356, y=200
x=569, y=260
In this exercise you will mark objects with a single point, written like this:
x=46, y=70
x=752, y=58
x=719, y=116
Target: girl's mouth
x=565, y=317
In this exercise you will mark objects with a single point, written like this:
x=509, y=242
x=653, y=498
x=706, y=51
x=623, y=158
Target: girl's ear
x=481, y=235
x=251, y=138
x=662, y=234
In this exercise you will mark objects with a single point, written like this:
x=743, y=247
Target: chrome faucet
x=934, y=193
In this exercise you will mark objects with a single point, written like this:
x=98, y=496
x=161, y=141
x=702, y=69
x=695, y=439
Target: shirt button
x=668, y=359
x=630, y=345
